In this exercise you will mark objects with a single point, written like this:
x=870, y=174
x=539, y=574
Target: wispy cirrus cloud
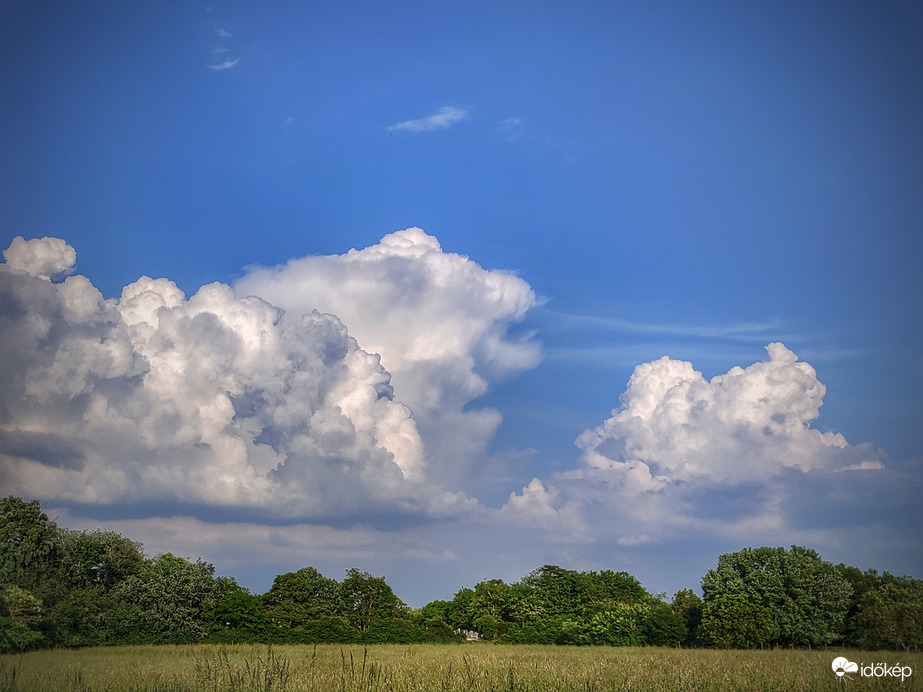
x=442, y=119
x=512, y=128
x=226, y=65
x=738, y=331
x=219, y=51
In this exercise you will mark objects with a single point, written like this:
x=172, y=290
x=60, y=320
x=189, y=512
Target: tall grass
x=465, y=668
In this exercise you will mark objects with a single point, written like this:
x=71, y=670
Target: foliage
x=96, y=558
x=688, y=606
x=296, y=597
x=166, y=601
x=805, y=598
x=29, y=548
x=393, y=630
x=366, y=598
x=20, y=616
x=553, y=605
x=434, y=619
x=66, y=588
x=236, y=615
x=892, y=612
x=663, y=626
x=731, y=620
x=854, y=631
x=80, y=597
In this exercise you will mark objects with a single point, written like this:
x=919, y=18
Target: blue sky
x=598, y=185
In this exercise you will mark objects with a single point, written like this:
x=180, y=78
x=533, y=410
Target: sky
x=447, y=291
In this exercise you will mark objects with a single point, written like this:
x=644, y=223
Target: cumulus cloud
x=44, y=257
x=748, y=423
x=539, y=506
x=439, y=321
x=684, y=454
x=213, y=399
x=442, y=119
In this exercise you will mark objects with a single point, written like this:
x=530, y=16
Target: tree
x=491, y=598
x=20, y=617
x=523, y=604
x=97, y=558
x=298, y=597
x=78, y=593
x=165, y=601
x=620, y=587
x=855, y=632
x=365, y=597
x=558, y=591
x=618, y=625
x=29, y=547
x=731, y=620
x=892, y=612
x=435, y=618
x=805, y=597
x=461, y=613
x=661, y=625
x=688, y=606
x=236, y=614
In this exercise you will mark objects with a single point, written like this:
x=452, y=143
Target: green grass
x=466, y=668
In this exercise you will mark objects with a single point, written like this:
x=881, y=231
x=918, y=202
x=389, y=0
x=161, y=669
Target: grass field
x=466, y=668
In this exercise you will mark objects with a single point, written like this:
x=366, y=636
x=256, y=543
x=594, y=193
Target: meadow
x=468, y=668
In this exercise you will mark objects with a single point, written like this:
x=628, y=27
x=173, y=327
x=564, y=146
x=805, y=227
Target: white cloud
x=212, y=399
x=232, y=401
x=443, y=118
x=686, y=456
x=45, y=257
x=226, y=65
x=746, y=424
x=223, y=33
x=439, y=321
x=225, y=406
x=536, y=507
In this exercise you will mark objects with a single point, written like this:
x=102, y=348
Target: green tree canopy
x=166, y=600
x=20, y=617
x=688, y=606
x=806, y=597
x=892, y=612
x=297, y=597
x=29, y=546
x=733, y=621
x=97, y=558
x=235, y=613
x=365, y=597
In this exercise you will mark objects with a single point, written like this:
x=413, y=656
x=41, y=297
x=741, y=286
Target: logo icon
x=842, y=665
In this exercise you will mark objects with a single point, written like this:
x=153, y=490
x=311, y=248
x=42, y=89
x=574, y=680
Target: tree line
x=60, y=587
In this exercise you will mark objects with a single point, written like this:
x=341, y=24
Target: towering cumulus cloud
x=683, y=453
x=439, y=321
x=215, y=399
x=746, y=424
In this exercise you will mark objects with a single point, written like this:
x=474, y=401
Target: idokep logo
x=843, y=666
